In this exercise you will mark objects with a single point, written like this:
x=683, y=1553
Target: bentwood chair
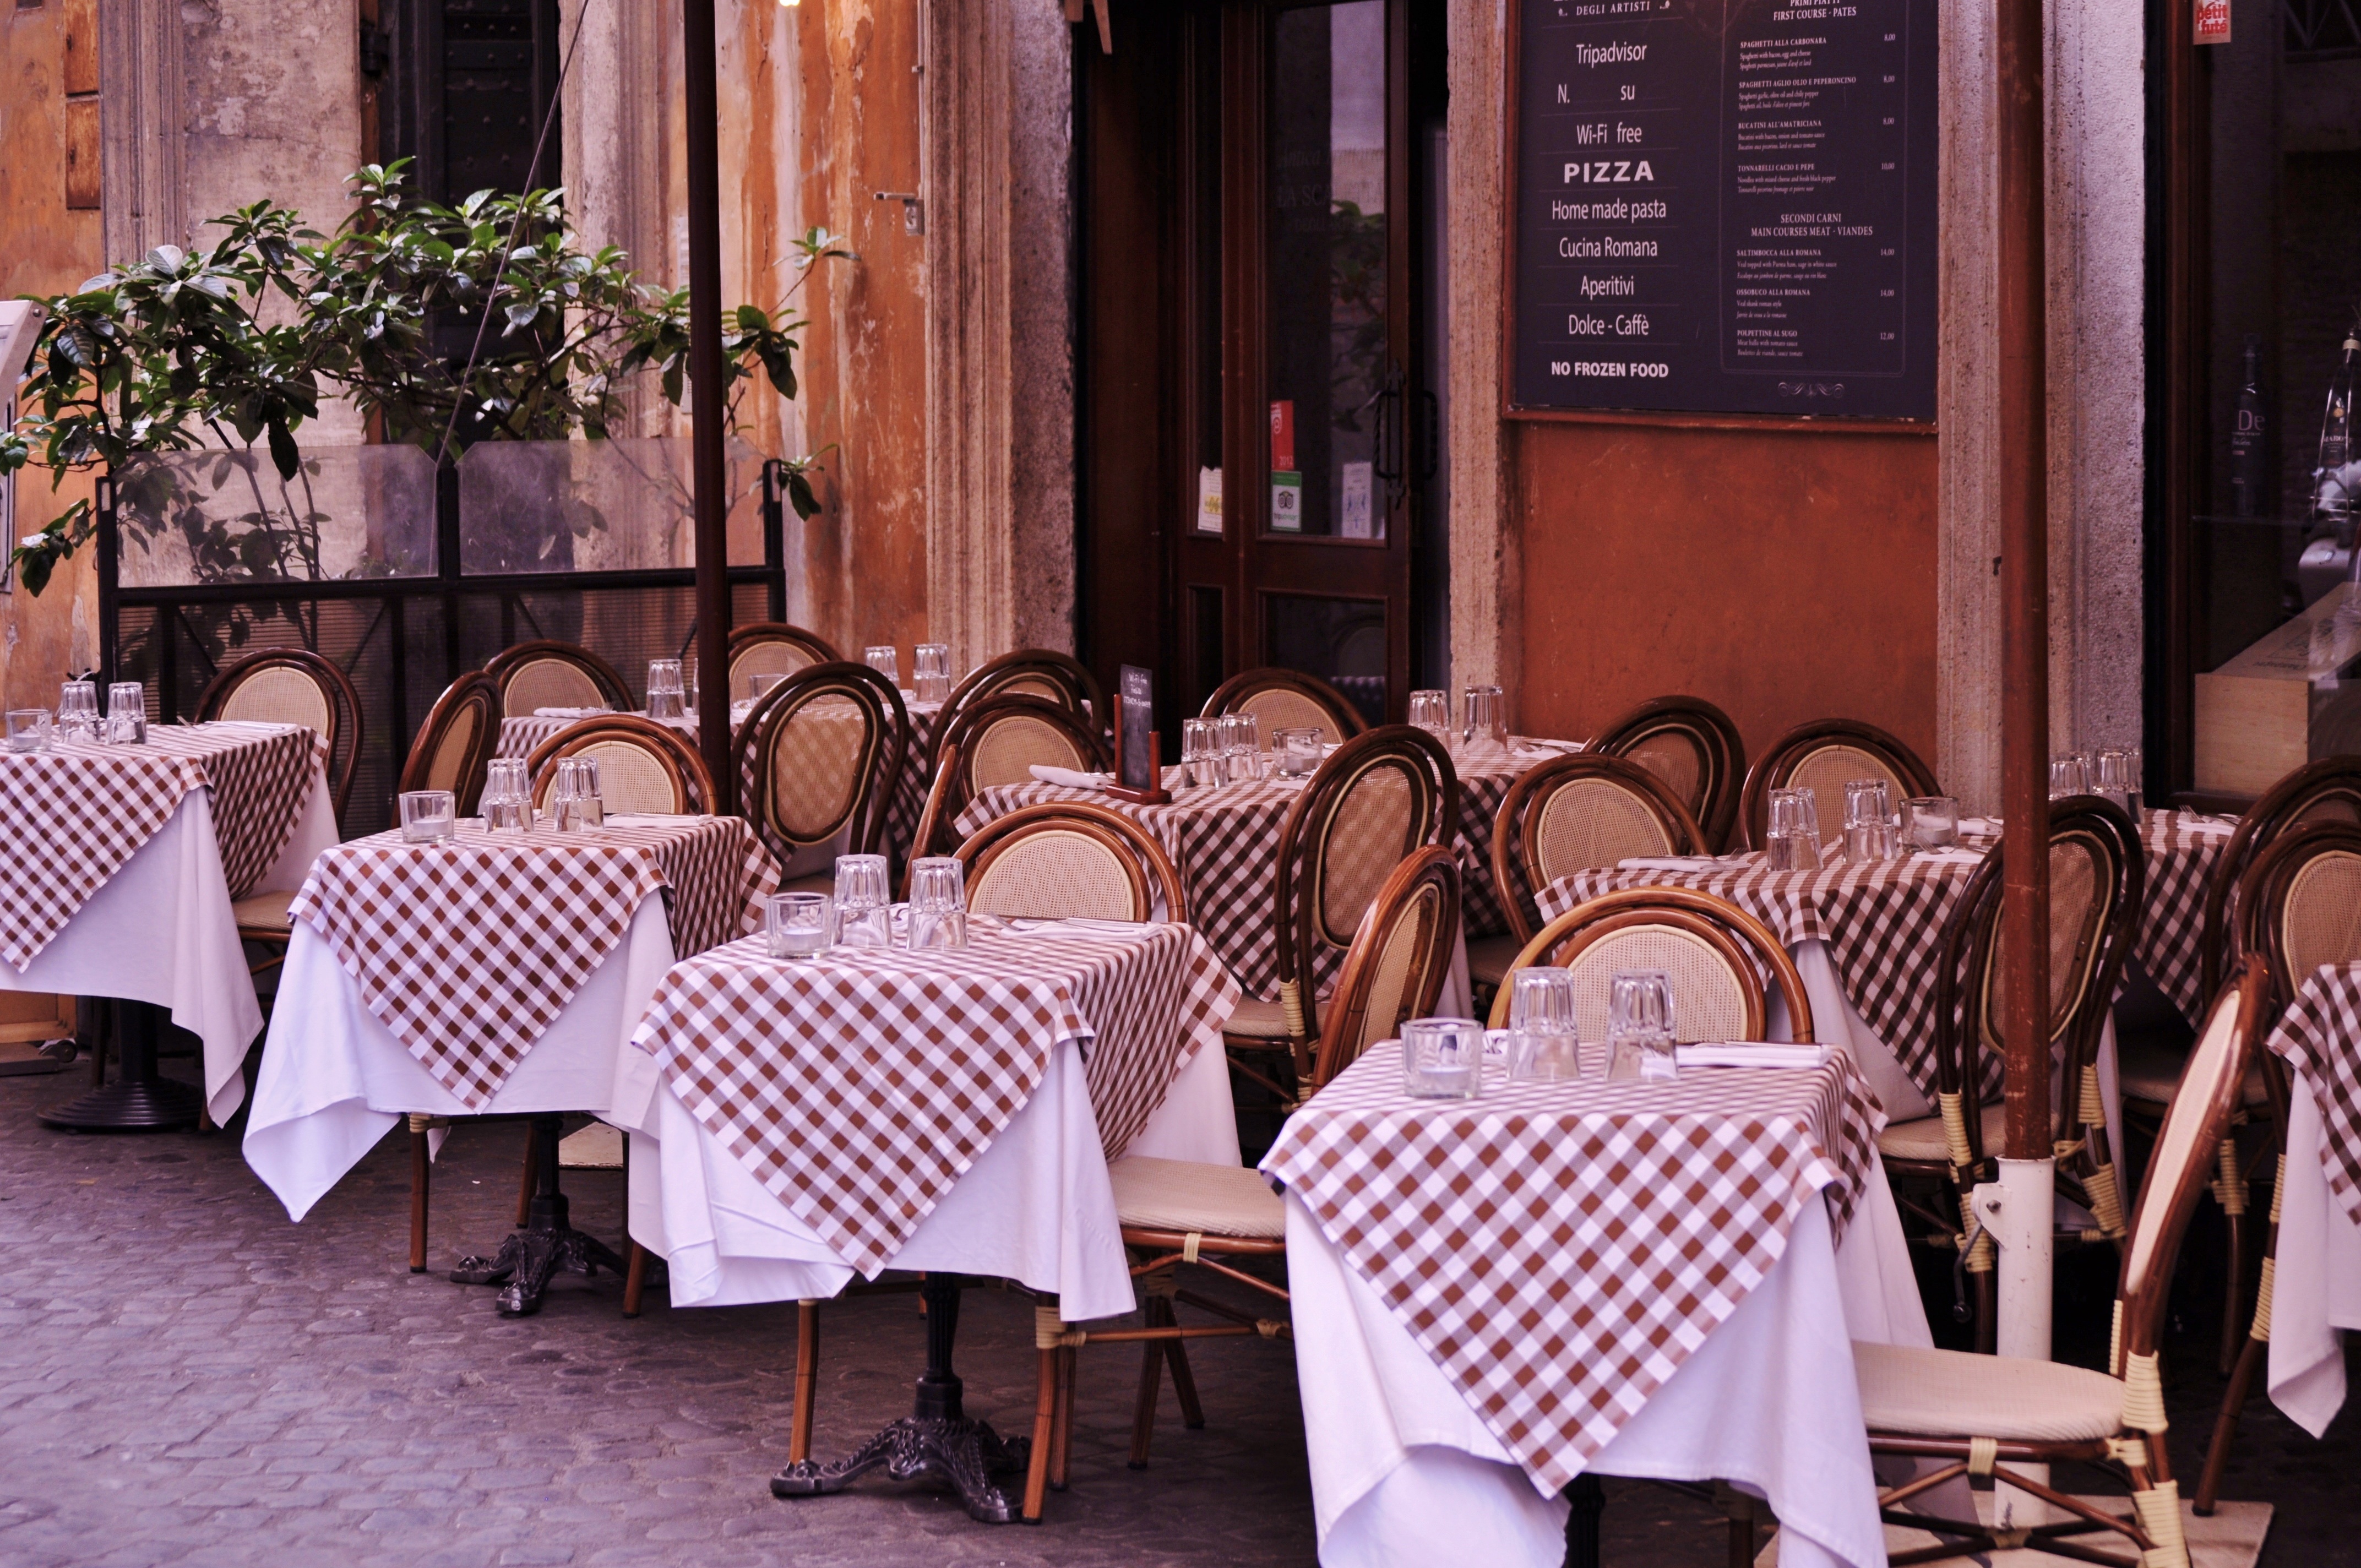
x=2097, y=878
x=1177, y=1212
x=1041, y=673
x=1692, y=746
x=295, y=685
x=2328, y=790
x=999, y=740
x=1573, y=813
x=818, y=756
x=2300, y=908
x=1823, y=757
x=643, y=767
x=1069, y=858
x=451, y=747
x=1980, y=1415
x=546, y=673
x=773, y=648
x=1287, y=699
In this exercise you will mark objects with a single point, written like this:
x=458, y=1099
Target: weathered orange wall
x=44, y=249
x=1784, y=574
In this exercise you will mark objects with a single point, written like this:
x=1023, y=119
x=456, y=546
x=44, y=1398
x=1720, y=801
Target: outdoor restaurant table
x=1661, y=1280
x=485, y=975
x=120, y=864
x=2317, y=1288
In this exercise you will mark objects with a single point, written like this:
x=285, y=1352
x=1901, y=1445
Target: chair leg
x=2225, y=1425
x=1987, y=1312
x=419, y=1166
x=635, y=1280
x=1045, y=1421
x=1741, y=1542
x=1184, y=1385
x=1151, y=1382
x=2230, y=1191
x=799, y=1426
x=524, y=1188
x=1062, y=1431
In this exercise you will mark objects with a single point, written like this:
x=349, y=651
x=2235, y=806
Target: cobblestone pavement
x=185, y=1378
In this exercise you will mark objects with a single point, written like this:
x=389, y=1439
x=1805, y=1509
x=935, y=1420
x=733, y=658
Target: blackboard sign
x=1136, y=737
x=1723, y=206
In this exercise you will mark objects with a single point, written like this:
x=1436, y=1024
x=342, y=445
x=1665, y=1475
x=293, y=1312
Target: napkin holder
x=1138, y=737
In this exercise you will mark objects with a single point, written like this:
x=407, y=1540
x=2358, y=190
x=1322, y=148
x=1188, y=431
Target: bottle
x=2250, y=469
x=2332, y=503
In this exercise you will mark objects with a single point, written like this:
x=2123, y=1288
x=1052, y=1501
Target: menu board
x=1724, y=206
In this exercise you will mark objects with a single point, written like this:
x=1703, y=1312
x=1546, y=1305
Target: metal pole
x=708, y=400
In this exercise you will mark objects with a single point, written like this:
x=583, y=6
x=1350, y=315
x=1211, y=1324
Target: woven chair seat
x=1948, y=1393
x=1253, y=1019
x=2149, y=1074
x=1489, y=959
x=1921, y=1137
x=1188, y=1196
x=264, y=912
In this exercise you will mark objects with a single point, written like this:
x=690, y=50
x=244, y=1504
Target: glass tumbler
x=1241, y=745
x=937, y=904
x=1868, y=821
x=1483, y=718
x=863, y=911
x=78, y=711
x=1640, y=1025
x=1295, y=752
x=2068, y=776
x=882, y=660
x=428, y=814
x=1545, y=1046
x=29, y=730
x=1930, y=822
x=507, y=801
x=1794, y=842
x=931, y=671
x=2115, y=779
x=1443, y=1059
x=1431, y=711
x=798, y=925
x=667, y=697
x=1201, y=749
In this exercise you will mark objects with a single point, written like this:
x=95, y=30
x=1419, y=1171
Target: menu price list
x=1726, y=207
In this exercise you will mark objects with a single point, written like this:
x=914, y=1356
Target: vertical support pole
x=110, y=583
x=447, y=563
x=775, y=538
x=709, y=400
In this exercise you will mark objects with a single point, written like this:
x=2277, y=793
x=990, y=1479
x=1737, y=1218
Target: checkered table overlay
x=2320, y=1040
x=1560, y=1249
x=1224, y=839
x=71, y=817
x=858, y=1088
x=2180, y=861
x=470, y=949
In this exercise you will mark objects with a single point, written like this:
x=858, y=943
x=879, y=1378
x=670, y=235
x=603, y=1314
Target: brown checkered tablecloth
x=2182, y=851
x=2320, y=1040
x=859, y=1087
x=1560, y=1249
x=1224, y=840
x=70, y=816
x=470, y=949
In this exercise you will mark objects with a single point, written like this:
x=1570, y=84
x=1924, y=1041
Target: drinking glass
x=931, y=671
x=1295, y=752
x=1640, y=1025
x=1545, y=1046
x=1241, y=745
x=1794, y=842
x=1431, y=711
x=882, y=660
x=1201, y=749
x=2115, y=779
x=798, y=925
x=2068, y=776
x=667, y=696
x=1443, y=1059
x=863, y=912
x=29, y=730
x=1930, y=822
x=1868, y=821
x=507, y=801
x=937, y=904
x=78, y=711
x=1484, y=719
x=127, y=714
x=2135, y=766
x=576, y=801
x=428, y=814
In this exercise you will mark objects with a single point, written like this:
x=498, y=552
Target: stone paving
x=185, y=1378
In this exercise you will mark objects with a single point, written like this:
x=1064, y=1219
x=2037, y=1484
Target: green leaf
x=282, y=449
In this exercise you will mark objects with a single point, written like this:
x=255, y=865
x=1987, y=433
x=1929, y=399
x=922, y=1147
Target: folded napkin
x=569, y=712
x=1079, y=925
x=1988, y=825
x=1728, y=1053
x=1665, y=863
x=2198, y=822
x=1069, y=778
x=1949, y=857
x=1535, y=746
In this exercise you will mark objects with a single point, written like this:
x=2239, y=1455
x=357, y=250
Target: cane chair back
x=451, y=747
x=544, y=674
x=1042, y=673
x=293, y=685
x=1002, y=738
x=1066, y=860
x=773, y=648
x=644, y=768
x=1396, y=966
x=1378, y=798
x=1581, y=813
x=2299, y=905
x=2328, y=790
x=1287, y=699
x=1694, y=748
x=1823, y=757
x=823, y=751
x=1719, y=961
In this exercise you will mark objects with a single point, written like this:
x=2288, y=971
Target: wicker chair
x=1179, y=1211
x=1823, y=757
x=643, y=767
x=2328, y=790
x=773, y=648
x=2300, y=907
x=295, y=685
x=544, y=674
x=1042, y=673
x=998, y=741
x=1070, y=859
x=2097, y=880
x=1573, y=813
x=1287, y=699
x=1692, y=746
x=1981, y=1413
x=458, y=739
x=819, y=755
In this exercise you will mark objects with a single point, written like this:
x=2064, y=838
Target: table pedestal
x=139, y=1099
x=936, y=1439
x=529, y=1258
x=1587, y=1501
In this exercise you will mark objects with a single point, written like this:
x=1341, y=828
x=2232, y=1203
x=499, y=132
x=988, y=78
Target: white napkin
x=1080, y=926
x=1728, y=1053
x=1535, y=746
x=1666, y=863
x=1069, y=778
x=1987, y=825
x=1948, y=857
x=2196, y=822
x=569, y=712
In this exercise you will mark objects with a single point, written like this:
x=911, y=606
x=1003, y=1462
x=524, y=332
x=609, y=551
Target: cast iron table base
x=139, y=1099
x=527, y=1260
x=936, y=1439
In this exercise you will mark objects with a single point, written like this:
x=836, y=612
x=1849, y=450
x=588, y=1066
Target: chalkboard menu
x=1724, y=206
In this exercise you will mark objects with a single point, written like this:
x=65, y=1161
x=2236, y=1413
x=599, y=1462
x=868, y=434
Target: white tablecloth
x=2317, y=1292
x=334, y=1078
x=162, y=931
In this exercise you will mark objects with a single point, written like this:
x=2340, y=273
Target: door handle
x=1431, y=415
x=1387, y=462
